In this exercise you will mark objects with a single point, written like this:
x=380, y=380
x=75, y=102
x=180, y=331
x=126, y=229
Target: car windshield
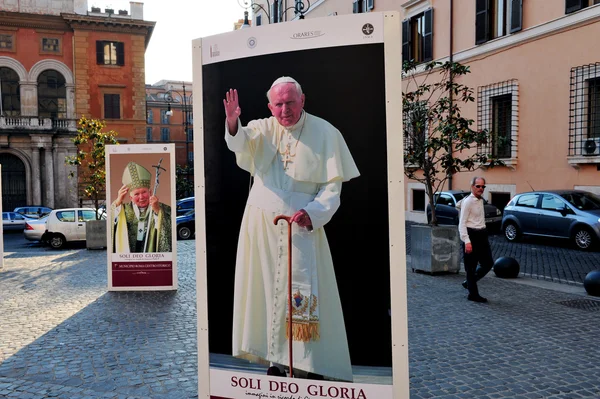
x=460, y=196
x=583, y=201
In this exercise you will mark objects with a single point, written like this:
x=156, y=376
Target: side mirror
x=564, y=210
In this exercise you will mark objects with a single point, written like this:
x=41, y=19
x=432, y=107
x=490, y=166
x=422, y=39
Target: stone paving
x=62, y=335
x=542, y=258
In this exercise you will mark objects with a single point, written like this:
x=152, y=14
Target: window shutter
x=428, y=36
x=516, y=15
x=99, y=52
x=406, y=56
x=482, y=21
x=120, y=53
x=573, y=5
x=356, y=7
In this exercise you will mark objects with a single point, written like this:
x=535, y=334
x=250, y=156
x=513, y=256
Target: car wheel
x=57, y=241
x=184, y=233
x=511, y=232
x=583, y=238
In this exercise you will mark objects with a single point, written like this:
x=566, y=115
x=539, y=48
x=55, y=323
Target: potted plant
x=91, y=142
x=439, y=142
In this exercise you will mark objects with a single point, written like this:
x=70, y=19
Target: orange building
x=536, y=82
x=170, y=119
x=59, y=61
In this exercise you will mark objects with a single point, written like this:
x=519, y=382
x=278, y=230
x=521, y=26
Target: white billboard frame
x=129, y=150
x=300, y=35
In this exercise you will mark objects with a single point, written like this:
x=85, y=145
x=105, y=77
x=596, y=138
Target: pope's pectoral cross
x=286, y=157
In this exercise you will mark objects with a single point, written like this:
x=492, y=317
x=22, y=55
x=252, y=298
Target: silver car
x=35, y=229
x=570, y=214
x=13, y=221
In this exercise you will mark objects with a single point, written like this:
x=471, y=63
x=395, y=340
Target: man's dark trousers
x=482, y=254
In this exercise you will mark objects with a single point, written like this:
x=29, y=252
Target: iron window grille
x=584, y=111
x=415, y=129
x=498, y=113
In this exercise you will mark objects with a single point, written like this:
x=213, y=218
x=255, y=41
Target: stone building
x=59, y=61
x=536, y=83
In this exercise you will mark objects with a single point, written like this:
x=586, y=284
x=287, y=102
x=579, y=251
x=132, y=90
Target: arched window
x=52, y=95
x=9, y=89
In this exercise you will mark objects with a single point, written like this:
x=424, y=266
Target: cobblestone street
x=63, y=335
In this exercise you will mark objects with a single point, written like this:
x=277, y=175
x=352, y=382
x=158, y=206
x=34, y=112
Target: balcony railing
x=31, y=123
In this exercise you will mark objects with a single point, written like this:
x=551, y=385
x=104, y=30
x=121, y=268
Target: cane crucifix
x=156, y=182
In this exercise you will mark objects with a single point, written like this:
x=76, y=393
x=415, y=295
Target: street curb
x=531, y=282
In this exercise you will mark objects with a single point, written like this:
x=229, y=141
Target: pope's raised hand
x=232, y=109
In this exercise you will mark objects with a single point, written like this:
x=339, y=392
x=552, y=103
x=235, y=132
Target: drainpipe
x=451, y=81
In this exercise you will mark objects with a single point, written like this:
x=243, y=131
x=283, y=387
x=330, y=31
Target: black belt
x=473, y=229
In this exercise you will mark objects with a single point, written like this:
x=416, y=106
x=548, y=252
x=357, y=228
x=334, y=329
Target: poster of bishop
x=140, y=209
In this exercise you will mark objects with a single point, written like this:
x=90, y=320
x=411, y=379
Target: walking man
x=475, y=238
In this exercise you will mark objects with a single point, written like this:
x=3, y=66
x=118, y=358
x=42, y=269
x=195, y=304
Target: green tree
x=438, y=140
x=184, y=186
x=91, y=142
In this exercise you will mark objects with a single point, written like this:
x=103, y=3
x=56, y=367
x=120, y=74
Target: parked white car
x=64, y=225
x=35, y=229
x=13, y=221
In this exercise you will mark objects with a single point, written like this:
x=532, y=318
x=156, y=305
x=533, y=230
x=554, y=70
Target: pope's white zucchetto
x=284, y=79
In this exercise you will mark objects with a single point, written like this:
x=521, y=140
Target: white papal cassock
x=320, y=162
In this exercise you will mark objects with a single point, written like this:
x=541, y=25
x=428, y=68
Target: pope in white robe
x=299, y=162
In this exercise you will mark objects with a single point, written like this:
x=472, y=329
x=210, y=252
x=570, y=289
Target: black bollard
x=591, y=283
x=506, y=267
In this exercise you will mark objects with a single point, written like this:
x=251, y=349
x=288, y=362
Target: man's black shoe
x=478, y=298
x=465, y=285
x=275, y=372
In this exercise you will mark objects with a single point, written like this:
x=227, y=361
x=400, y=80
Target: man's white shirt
x=472, y=216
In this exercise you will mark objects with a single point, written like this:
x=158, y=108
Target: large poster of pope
x=302, y=210
x=141, y=223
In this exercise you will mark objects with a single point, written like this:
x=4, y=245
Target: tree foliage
x=439, y=140
x=184, y=182
x=91, y=142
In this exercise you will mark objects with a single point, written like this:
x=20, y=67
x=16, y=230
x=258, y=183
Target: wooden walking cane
x=288, y=219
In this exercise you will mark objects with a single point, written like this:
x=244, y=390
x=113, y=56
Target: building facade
x=59, y=61
x=536, y=82
x=170, y=119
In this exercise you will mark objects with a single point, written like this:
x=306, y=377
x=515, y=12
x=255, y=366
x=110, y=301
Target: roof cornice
x=34, y=21
x=108, y=24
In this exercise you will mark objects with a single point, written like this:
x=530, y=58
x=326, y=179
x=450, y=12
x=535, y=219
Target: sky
x=178, y=22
